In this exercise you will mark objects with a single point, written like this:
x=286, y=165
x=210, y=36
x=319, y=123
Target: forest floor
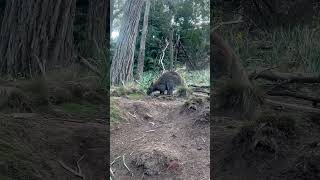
x=161, y=137
x=282, y=144
x=53, y=130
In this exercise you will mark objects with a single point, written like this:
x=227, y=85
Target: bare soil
x=283, y=144
x=48, y=131
x=161, y=138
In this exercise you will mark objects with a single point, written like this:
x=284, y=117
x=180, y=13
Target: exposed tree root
x=291, y=77
x=315, y=100
x=293, y=106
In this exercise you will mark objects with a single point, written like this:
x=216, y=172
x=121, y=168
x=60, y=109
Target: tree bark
x=143, y=41
x=291, y=77
x=36, y=34
x=295, y=95
x=241, y=96
x=2, y=7
x=97, y=28
x=111, y=14
x=122, y=62
x=171, y=48
x=226, y=63
x=294, y=107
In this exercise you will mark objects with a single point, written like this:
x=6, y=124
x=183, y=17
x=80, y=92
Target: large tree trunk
x=226, y=63
x=97, y=28
x=236, y=92
x=122, y=62
x=143, y=41
x=2, y=7
x=36, y=35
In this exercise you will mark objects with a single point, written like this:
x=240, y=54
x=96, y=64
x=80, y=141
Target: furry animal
x=167, y=81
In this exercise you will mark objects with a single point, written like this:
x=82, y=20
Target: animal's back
x=166, y=82
x=170, y=76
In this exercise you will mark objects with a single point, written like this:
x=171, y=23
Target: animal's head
x=150, y=89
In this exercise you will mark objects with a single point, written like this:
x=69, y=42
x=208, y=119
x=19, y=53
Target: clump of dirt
x=200, y=106
x=193, y=104
x=183, y=91
x=307, y=167
x=155, y=161
x=266, y=136
x=238, y=98
x=14, y=100
x=279, y=144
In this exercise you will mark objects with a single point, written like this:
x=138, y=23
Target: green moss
x=136, y=96
x=115, y=114
x=84, y=109
x=5, y=177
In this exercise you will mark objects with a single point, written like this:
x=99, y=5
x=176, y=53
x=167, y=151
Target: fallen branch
x=200, y=91
x=42, y=66
x=125, y=165
x=111, y=174
x=295, y=95
x=293, y=106
x=192, y=85
x=228, y=22
x=78, y=174
x=90, y=66
x=254, y=75
x=162, y=56
x=114, y=160
x=291, y=77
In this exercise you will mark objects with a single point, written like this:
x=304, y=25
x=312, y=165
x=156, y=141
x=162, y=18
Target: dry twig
x=124, y=163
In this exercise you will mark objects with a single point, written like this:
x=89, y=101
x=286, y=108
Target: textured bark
x=226, y=63
x=111, y=13
x=122, y=62
x=143, y=41
x=290, y=77
x=97, y=28
x=171, y=49
x=2, y=7
x=36, y=34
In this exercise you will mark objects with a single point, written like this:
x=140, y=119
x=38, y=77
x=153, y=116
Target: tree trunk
x=226, y=63
x=122, y=62
x=97, y=28
x=2, y=7
x=171, y=48
x=143, y=41
x=35, y=36
x=111, y=14
x=237, y=91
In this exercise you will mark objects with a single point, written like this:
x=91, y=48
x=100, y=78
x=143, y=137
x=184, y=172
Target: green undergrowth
x=82, y=109
x=135, y=90
x=115, y=112
x=295, y=49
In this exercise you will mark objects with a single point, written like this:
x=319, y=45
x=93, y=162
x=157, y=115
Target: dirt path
x=161, y=139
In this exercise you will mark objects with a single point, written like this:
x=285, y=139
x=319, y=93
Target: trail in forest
x=161, y=138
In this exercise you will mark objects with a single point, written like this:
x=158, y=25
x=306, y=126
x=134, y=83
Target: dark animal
x=167, y=81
